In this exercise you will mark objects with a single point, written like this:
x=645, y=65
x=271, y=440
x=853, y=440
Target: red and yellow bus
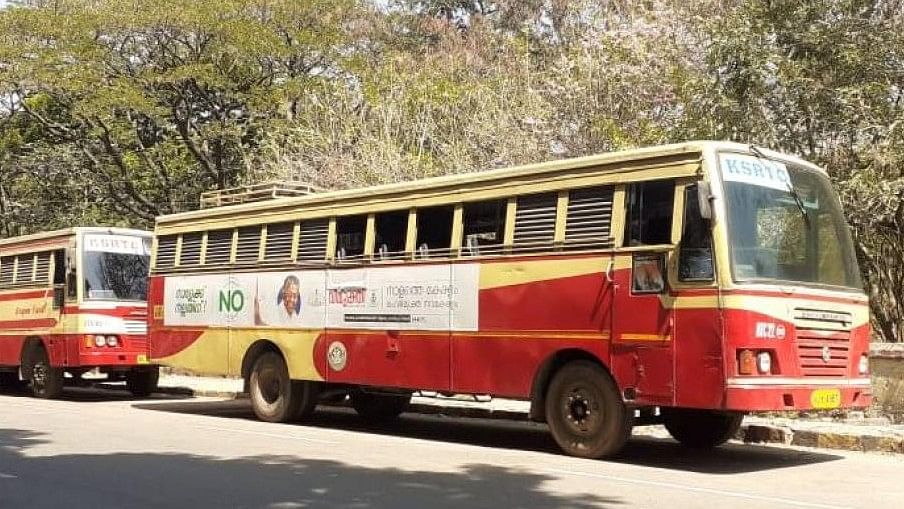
x=684, y=284
x=72, y=301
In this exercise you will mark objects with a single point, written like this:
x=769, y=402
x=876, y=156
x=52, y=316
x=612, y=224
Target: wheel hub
x=269, y=385
x=39, y=375
x=581, y=411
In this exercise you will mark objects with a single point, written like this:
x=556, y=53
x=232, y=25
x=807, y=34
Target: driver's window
x=695, y=258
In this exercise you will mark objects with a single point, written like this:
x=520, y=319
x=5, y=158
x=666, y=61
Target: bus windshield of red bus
x=785, y=224
x=115, y=267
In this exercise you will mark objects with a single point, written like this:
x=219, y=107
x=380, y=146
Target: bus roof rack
x=256, y=192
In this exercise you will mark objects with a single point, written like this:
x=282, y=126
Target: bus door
x=60, y=298
x=643, y=320
x=698, y=320
x=642, y=346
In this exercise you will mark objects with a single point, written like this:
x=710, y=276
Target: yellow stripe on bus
x=643, y=337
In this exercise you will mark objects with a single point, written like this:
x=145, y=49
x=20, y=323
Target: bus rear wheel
x=274, y=396
x=377, y=407
x=701, y=429
x=142, y=382
x=585, y=412
x=46, y=380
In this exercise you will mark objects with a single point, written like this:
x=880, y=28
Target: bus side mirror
x=705, y=200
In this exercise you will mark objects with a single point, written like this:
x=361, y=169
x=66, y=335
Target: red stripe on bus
x=27, y=324
x=170, y=342
x=30, y=294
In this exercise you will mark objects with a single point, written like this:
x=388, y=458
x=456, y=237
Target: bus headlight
x=863, y=366
x=764, y=362
x=100, y=340
x=112, y=341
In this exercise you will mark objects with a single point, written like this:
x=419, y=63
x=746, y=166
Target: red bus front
x=86, y=311
x=796, y=319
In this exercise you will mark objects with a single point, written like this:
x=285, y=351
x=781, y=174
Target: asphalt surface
x=99, y=449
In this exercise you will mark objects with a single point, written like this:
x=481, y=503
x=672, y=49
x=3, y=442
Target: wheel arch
x=30, y=347
x=550, y=367
x=254, y=351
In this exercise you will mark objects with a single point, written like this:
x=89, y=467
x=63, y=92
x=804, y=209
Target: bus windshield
x=115, y=267
x=785, y=224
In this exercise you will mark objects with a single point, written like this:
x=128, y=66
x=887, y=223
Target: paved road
x=97, y=449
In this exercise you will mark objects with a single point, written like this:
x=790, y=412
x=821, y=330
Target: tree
x=819, y=79
x=165, y=99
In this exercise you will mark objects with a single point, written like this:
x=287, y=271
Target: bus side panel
x=415, y=360
x=21, y=312
x=522, y=325
x=699, y=379
x=506, y=366
x=174, y=346
x=72, y=345
x=11, y=350
x=56, y=346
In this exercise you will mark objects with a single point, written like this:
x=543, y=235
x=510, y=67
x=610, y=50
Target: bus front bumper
x=761, y=394
x=113, y=358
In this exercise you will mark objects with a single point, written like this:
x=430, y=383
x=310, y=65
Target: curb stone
x=756, y=432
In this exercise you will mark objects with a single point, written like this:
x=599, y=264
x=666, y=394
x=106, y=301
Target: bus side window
x=434, y=231
x=695, y=255
x=25, y=269
x=390, y=231
x=350, y=237
x=649, y=213
x=484, y=227
x=6, y=271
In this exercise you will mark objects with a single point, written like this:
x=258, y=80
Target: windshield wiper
x=800, y=204
x=793, y=192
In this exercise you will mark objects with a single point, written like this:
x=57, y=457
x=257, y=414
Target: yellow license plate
x=825, y=398
x=141, y=359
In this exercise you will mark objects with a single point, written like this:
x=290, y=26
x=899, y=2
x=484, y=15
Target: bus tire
x=585, y=412
x=376, y=407
x=46, y=380
x=142, y=382
x=701, y=429
x=274, y=397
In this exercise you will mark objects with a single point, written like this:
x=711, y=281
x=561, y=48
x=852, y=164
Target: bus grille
x=137, y=323
x=823, y=341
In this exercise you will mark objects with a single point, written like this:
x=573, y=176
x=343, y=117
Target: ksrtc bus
x=72, y=301
x=685, y=284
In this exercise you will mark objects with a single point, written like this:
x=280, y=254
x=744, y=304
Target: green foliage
x=163, y=99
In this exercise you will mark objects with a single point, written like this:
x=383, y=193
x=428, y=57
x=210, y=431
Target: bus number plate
x=826, y=398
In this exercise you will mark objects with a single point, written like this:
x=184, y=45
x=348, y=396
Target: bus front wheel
x=701, y=429
x=274, y=396
x=142, y=382
x=46, y=380
x=585, y=412
x=376, y=407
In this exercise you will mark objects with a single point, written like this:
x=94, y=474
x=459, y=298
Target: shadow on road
x=94, y=393
x=643, y=451
x=180, y=480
